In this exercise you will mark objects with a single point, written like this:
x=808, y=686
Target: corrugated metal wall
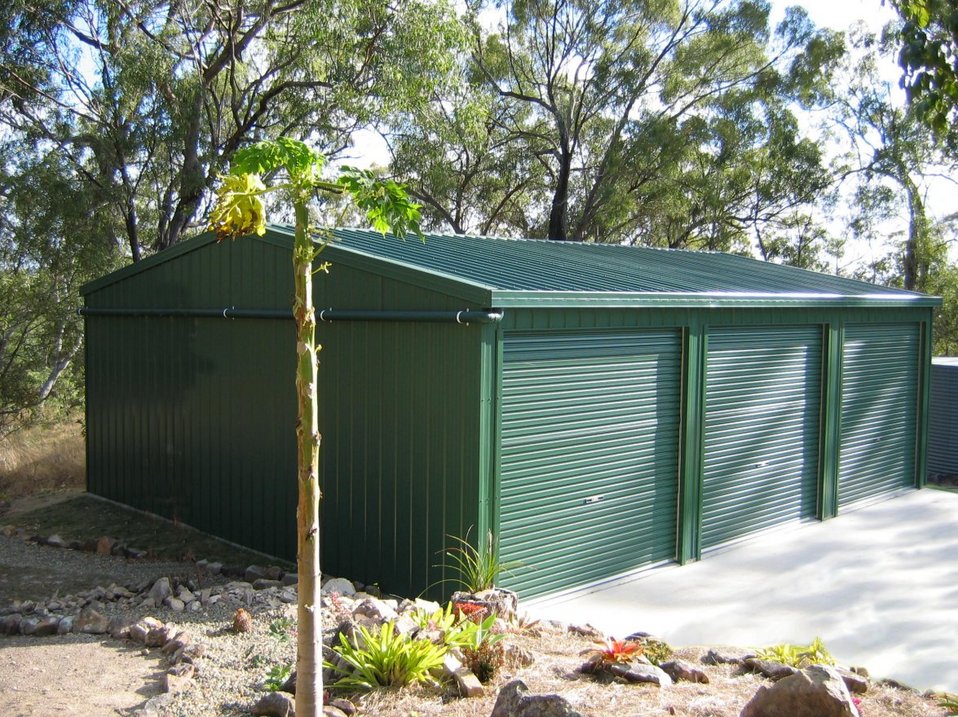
x=190, y=418
x=589, y=455
x=402, y=440
x=943, y=418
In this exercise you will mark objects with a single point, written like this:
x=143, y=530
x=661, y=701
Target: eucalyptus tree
x=149, y=99
x=928, y=40
x=612, y=89
x=893, y=154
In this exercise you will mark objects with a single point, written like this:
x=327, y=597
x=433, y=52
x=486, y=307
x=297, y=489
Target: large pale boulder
x=816, y=691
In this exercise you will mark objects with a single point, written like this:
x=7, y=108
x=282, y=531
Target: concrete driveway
x=879, y=585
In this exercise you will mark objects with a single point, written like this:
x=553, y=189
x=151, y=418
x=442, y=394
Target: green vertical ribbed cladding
x=880, y=401
x=763, y=397
x=831, y=420
x=590, y=425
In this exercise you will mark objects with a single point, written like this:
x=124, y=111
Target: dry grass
x=557, y=656
x=42, y=459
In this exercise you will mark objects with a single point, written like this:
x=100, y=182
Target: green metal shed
x=600, y=408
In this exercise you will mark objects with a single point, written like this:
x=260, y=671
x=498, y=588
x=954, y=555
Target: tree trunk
x=309, y=674
x=915, y=243
x=559, y=214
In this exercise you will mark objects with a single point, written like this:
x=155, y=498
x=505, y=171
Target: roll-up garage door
x=763, y=405
x=589, y=455
x=879, y=410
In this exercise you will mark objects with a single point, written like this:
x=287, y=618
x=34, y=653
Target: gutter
x=466, y=316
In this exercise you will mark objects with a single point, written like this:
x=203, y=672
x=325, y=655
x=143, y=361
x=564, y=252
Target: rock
x=427, y=606
x=175, y=604
x=816, y=691
x=517, y=656
x=503, y=602
x=242, y=621
x=640, y=672
x=91, y=622
x=150, y=632
x=274, y=572
x=214, y=568
x=161, y=590
x=290, y=684
x=190, y=653
x=339, y=585
x=289, y=579
x=375, y=609
x=769, y=668
x=158, y=636
x=275, y=704
x=345, y=706
x=254, y=573
x=466, y=681
x=154, y=707
x=119, y=627
x=680, y=670
x=104, y=545
x=330, y=711
x=176, y=642
x=178, y=678
x=55, y=541
x=40, y=626
x=513, y=701
x=585, y=631
x=10, y=624
x=266, y=583
x=286, y=596
x=134, y=553
x=185, y=594
x=854, y=681
x=66, y=626
x=726, y=657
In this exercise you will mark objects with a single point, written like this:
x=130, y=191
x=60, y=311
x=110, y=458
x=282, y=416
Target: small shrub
x=478, y=568
x=281, y=628
x=277, y=676
x=485, y=660
x=798, y=656
x=385, y=659
x=656, y=651
x=469, y=635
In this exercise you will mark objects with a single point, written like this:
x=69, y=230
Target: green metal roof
x=498, y=272
x=527, y=272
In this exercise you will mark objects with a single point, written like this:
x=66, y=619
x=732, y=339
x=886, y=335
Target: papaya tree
x=295, y=171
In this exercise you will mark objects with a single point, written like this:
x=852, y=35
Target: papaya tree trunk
x=309, y=673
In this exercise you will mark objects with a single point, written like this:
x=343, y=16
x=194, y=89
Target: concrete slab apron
x=879, y=585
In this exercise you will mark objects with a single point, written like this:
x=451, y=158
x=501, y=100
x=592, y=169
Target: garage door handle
x=593, y=499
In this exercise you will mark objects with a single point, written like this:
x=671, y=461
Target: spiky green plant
x=385, y=658
x=478, y=568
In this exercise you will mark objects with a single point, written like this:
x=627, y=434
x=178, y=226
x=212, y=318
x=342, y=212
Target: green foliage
x=949, y=702
x=277, y=676
x=478, y=568
x=282, y=628
x=662, y=123
x=470, y=635
x=385, y=659
x=798, y=656
x=484, y=661
x=443, y=619
x=655, y=651
x=928, y=40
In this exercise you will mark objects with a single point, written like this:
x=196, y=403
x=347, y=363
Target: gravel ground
x=32, y=572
